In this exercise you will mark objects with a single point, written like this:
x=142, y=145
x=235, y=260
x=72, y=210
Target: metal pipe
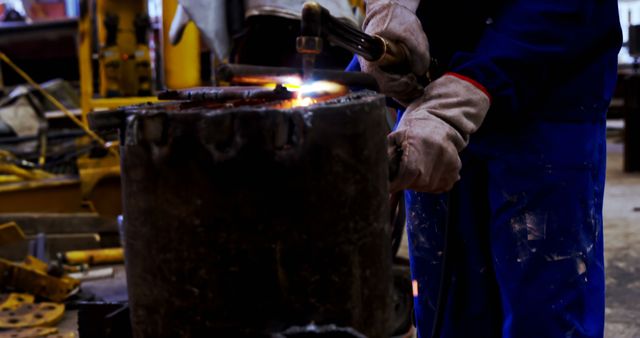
x=220, y=94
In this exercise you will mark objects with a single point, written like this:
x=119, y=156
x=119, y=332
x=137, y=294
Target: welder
x=505, y=147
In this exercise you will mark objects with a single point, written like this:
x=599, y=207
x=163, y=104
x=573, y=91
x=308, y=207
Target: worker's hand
x=396, y=22
x=432, y=132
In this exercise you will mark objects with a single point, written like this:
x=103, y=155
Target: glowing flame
x=322, y=89
x=268, y=80
x=303, y=101
x=311, y=93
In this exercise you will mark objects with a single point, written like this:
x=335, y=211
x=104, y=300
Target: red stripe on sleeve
x=471, y=81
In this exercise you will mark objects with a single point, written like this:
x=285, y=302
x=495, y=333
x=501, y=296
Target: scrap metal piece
x=93, y=274
x=93, y=257
x=36, y=264
x=30, y=278
x=22, y=173
x=222, y=94
x=20, y=115
x=32, y=333
x=14, y=300
x=31, y=315
x=10, y=233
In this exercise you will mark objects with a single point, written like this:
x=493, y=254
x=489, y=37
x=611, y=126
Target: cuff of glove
x=457, y=100
x=410, y=4
x=473, y=82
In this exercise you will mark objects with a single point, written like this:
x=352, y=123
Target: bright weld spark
x=290, y=86
x=303, y=101
x=309, y=93
x=269, y=81
x=321, y=87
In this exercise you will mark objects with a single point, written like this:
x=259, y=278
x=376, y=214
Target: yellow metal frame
x=88, y=102
x=181, y=62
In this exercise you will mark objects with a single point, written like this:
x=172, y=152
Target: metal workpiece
x=256, y=221
x=228, y=93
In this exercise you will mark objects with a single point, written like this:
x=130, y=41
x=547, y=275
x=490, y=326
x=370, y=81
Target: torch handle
x=394, y=58
x=318, y=23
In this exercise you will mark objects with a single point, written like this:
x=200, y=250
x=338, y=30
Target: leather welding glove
x=396, y=21
x=433, y=130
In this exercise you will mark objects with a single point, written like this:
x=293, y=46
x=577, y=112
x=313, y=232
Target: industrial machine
x=118, y=32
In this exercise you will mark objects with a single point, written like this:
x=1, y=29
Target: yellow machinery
x=125, y=60
x=125, y=78
x=117, y=56
x=125, y=63
x=181, y=62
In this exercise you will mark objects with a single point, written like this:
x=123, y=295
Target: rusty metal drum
x=255, y=221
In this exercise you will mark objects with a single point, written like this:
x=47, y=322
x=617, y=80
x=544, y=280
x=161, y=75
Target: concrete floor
x=622, y=244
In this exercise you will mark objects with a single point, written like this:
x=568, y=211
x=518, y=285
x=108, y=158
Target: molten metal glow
x=302, y=101
x=311, y=93
x=299, y=101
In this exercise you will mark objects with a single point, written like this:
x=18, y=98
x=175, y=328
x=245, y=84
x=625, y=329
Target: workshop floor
x=622, y=243
x=622, y=246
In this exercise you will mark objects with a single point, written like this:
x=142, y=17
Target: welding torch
x=317, y=24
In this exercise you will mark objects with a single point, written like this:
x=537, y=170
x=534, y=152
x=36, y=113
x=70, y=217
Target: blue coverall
x=526, y=216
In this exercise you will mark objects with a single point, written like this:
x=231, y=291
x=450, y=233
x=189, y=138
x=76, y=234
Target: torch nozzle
x=308, y=64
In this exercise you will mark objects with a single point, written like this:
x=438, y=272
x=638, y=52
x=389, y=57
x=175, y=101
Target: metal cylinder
x=256, y=221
